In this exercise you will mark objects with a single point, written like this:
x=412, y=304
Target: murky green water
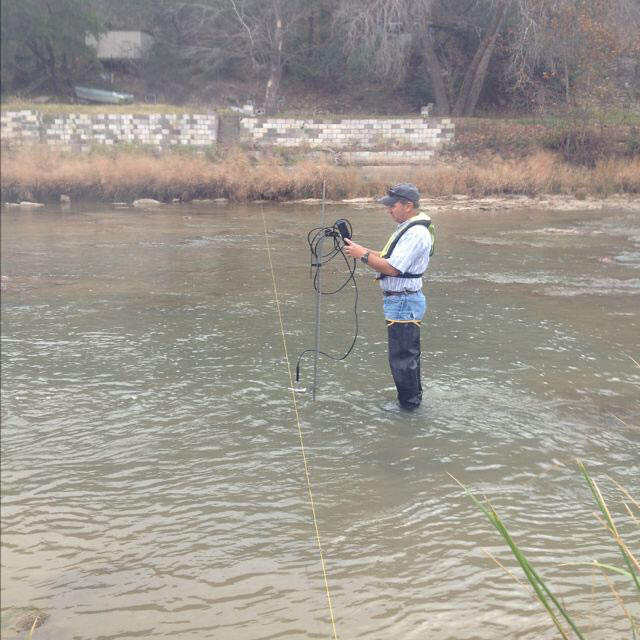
x=152, y=477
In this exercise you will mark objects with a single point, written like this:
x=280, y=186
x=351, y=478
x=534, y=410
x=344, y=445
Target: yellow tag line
x=295, y=409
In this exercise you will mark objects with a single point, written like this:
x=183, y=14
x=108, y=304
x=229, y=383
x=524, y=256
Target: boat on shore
x=102, y=96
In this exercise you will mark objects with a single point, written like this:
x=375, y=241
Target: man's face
x=401, y=210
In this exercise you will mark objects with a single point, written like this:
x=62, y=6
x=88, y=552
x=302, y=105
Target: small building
x=120, y=45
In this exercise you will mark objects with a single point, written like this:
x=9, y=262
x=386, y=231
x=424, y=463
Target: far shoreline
x=451, y=203
x=461, y=202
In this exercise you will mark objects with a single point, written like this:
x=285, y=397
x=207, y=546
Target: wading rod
x=319, y=255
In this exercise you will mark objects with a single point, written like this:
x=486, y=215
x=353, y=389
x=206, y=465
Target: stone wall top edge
x=343, y=120
x=103, y=114
x=261, y=119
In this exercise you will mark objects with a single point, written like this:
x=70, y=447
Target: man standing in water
x=400, y=266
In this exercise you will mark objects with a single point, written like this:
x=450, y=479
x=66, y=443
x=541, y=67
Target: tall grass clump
x=554, y=606
x=539, y=173
x=615, y=175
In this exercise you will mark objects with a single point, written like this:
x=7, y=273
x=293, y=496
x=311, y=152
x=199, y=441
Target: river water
x=153, y=481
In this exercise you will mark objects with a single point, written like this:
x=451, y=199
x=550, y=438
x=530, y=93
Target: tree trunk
x=311, y=35
x=67, y=74
x=47, y=60
x=51, y=66
x=443, y=108
x=275, y=65
x=476, y=74
x=567, y=93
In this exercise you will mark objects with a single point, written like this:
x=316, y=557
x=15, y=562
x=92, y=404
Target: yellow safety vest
x=421, y=219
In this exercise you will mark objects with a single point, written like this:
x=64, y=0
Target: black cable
x=318, y=261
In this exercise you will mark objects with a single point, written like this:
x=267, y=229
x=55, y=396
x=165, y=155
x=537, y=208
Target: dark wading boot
x=404, y=360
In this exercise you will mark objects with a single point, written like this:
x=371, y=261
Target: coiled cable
x=315, y=238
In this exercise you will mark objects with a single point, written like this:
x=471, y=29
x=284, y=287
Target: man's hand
x=376, y=263
x=353, y=250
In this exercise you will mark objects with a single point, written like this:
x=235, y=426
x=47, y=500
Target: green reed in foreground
x=554, y=608
x=632, y=564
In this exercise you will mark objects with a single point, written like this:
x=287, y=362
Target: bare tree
x=275, y=59
x=43, y=43
x=249, y=38
x=376, y=35
x=436, y=73
x=263, y=27
x=574, y=43
x=570, y=48
x=456, y=41
x=477, y=71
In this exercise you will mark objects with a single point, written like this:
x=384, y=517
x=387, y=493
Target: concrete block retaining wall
x=406, y=156
x=371, y=133
x=357, y=141
x=20, y=126
x=78, y=130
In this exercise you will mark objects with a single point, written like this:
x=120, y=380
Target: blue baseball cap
x=402, y=191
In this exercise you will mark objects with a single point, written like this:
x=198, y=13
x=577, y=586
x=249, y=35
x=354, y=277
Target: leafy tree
x=43, y=44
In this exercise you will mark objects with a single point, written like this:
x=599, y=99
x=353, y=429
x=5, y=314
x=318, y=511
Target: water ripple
x=152, y=470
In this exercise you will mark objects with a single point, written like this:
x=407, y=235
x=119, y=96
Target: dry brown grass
x=40, y=173
x=539, y=173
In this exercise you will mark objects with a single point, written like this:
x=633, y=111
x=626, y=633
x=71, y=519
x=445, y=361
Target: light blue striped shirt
x=411, y=255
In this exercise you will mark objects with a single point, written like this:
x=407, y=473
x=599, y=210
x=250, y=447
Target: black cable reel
x=336, y=234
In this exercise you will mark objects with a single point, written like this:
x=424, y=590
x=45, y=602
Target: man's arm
x=381, y=265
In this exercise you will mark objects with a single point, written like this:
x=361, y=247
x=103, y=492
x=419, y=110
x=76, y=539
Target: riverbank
x=43, y=175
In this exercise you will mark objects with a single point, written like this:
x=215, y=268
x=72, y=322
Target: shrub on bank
x=40, y=173
x=580, y=146
x=580, y=138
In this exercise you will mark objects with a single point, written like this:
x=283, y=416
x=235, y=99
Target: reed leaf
x=598, y=565
x=629, y=560
x=542, y=591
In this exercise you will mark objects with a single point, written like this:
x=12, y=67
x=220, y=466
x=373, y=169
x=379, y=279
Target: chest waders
x=404, y=361
x=403, y=336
